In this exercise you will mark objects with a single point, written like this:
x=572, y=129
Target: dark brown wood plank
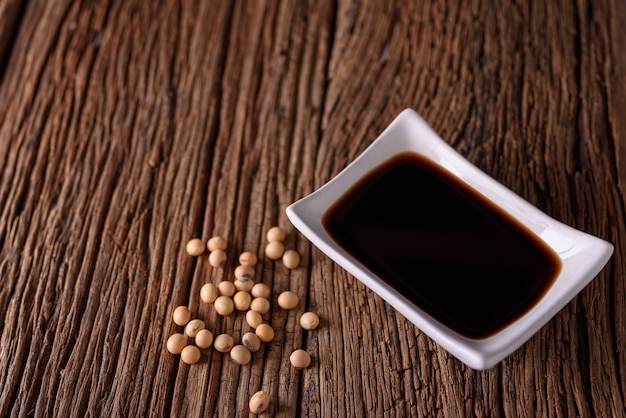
x=10, y=18
x=126, y=128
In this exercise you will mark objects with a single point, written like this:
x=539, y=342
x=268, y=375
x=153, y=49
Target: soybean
x=309, y=320
x=195, y=247
x=288, y=300
x=259, y=402
x=248, y=258
x=244, y=272
x=223, y=343
x=204, y=338
x=275, y=233
x=253, y=318
x=226, y=288
x=300, y=359
x=261, y=305
x=242, y=300
x=208, y=293
x=244, y=284
x=265, y=333
x=251, y=341
x=216, y=243
x=274, y=250
x=224, y=305
x=240, y=355
x=176, y=343
x=181, y=315
x=217, y=258
x=261, y=290
x=190, y=354
x=193, y=327
x=291, y=259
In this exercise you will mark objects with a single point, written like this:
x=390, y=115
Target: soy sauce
x=443, y=246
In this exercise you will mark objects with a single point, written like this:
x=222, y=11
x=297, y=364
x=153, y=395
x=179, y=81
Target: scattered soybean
x=217, y=258
x=216, y=243
x=204, y=338
x=181, y=315
x=242, y=300
x=193, y=327
x=223, y=343
x=251, y=341
x=248, y=258
x=264, y=332
x=288, y=300
x=226, y=288
x=300, y=359
x=291, y=259
x=190, y=354
x=208, y=293
x=274, y=250
x=261, y=305
x=224, y=305
x=240, y=355
x=309, y=320
x=254, y=319
x=260, y=290
x=242, y=271
x=176, y=343
x=275, y=233
x=195, y=247
x=259, y=402
x=245, y=284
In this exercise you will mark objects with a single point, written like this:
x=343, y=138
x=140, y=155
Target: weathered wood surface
x=10, y=13
x=127, y=128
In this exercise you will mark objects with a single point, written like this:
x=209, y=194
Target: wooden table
x=129, y=127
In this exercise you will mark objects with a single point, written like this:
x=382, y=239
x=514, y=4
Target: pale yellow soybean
x=300, y=359
x=291, y=259
x=248, y=258
x=251, y=341
x=195, y=247
x=216, y=243
x=193, y=326
x=242, y=271
x=226, y=288
x=223, y=343
x=190, y=354
x=176, y=343
x=259, y=402
x=261, y=305
x=240, y=355
x=275, y=233
x=217, y=258
x=204, y=338
x=244, y=284
x=288, y=300
x=208, y=293
x=242, y=300
x=274, y=250
x=224, y=305
x=264, y=332
x=181, y=315
x=261, y=290
x=253, y=318
x=309, y=320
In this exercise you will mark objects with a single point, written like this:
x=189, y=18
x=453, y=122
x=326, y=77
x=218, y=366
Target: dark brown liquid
x=443, y=246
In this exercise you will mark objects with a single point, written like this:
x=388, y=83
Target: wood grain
x=10, y=17
x=127, y=128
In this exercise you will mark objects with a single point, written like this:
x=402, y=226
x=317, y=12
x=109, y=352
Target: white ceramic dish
x=581, y=254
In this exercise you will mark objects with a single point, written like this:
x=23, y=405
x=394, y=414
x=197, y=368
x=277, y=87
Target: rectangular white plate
x=582, y=255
